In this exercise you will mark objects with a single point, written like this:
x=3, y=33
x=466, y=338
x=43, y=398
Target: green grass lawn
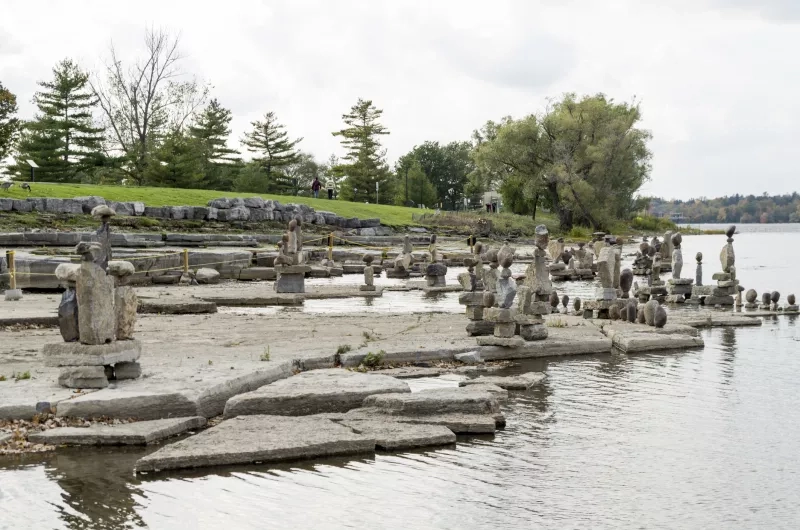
x=389, y=215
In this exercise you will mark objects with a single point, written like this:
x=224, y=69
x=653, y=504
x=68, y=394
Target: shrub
x=373, y=360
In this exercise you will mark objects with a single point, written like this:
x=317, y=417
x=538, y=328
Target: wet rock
x=130, y=370
x=518, y=382
x=314, y=392
x=261, y=438
x=68, y=272
x=650, y=312
x=435, y=401
x=393, y=436
x=77, y=354
x=68, y=316
x=660, y=317
x=775, y=296
x=136, y=433
x=457, y=422
x=751, y=296
x=120, y=269
x=206, y=275
x=471, y=357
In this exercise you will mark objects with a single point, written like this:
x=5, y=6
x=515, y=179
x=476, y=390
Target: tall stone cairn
x=727, y=284
x=678, y=289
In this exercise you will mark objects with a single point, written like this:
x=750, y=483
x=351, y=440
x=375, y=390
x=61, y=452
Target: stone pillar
x=369, y=274
x=435, y=274
x=291, y=278
x=96, y=316
x=698, y=274
x=727, y=284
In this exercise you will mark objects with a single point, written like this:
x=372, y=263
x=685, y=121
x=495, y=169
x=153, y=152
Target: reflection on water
x=695, y=439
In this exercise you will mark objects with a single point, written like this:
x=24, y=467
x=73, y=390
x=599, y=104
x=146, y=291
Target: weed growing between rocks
x=343, y=348
x=265, y=355
x=556, y=323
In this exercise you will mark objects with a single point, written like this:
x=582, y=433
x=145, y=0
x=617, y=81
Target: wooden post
x=186, y=261
x=12, y=269
x=330, y=246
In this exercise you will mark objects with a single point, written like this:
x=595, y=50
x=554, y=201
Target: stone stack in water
x=727, y=284
x=290, y=266
x=678, y=289
x=369, y=274
x=473, y=299
x=791, y=304
x=435, y=271
x=606, y=294
x=642, y=263
x=502, y=314
x=96, y=316
x=403, y=262
x=667, y=247
x=533, y=296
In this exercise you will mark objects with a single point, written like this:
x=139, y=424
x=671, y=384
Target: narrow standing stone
x=96, y=316
x=125, y=306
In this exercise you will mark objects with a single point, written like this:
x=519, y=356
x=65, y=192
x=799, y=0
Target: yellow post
x=186, y=260
x=472, y=244
x=12, y=269
x=330, y=246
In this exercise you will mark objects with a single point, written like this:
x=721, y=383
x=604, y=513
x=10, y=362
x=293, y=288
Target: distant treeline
x=734, y=209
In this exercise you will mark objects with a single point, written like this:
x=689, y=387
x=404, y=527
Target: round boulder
x=120, y=268
x=577, y=304
x=614, y=312
x=699, y=257
x=751, y=295
x=632, y=312
x=68, y=272
x=206, y=275
x=101, y=210
x=626, y=280
x=368, y=259
x=565, y=301
x=791, y=299
x=660, y=319
x=766, y=298
x=554, y=299
x=731, y=230
x=775, y=296
x=650, y=312
x=677, y=238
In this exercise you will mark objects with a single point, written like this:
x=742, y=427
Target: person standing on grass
x=315, y=187
x=330, y=185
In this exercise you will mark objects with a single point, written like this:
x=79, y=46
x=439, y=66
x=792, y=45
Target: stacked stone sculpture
x=570, y=265
x=698, y=273
x=667, y=248
x=290, y=266
x=403, y=262
x=727, y=284
x=791, y=306
x=96, y=316
x=626, y=282
x=751, y=299
x=642, y=263
x=369, y=274
x=678, y=289
x=775, y=297
x=766, y=301
x=474, y=298
x=606, y=294
x=435, y=271
x=502, y=314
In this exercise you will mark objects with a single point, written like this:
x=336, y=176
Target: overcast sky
x=717, y=79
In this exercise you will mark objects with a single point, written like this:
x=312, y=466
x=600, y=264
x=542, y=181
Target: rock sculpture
x=775, y=297
x=751, y=297
x=698, y=275
x=626, y=282
x=369, y=274
x=766, y=301
x=727, y=284
x=290, y=265
x=791, y=304
x=565, y=303
x=402, y=263
x=576, y=305
x=96, y=316
x=660, y=317
x=678, y=289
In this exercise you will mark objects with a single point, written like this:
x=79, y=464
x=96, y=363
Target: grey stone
x=137, y=433
x=435, y=401
x=95, y=292
x=518, y=382
x=119, y=403
x=254, y=202
x=221, y=203
x=127, y=370
x=68, y=316
x=314, y=392
x=660, y=318
x=21, y=205
x=791, y=300
x=13, y=295
x=531, y=332
x=605, y=267
x=506, y=289
x=751, y=296
x=775, y=296
x=206, y=275
x=632, y=312
x=436, y=269
x=77, y=354
x=391, y=435
x=290, y=282
x=471, y=357
x=120, y=269
x=248, y=439
x=457, y=422
x=83, y=377
x=6, y=205
x=677, y=262
x=159, y=212
x=727, y=257
x=650, y=312
x=166, y=279
x=480, y=328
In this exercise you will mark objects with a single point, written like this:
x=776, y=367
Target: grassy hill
x=389, y=215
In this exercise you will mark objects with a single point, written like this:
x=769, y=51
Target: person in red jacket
x=315, y=187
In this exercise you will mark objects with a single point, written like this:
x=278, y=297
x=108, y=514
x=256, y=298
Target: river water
x=694, y=439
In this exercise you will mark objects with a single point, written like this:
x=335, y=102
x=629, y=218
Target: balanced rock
x=68, y=272
x=206, y=275
x=766, y=298
x=791, y=299
x=751, y=295
x=660, y=318
x=101, y=210
x=650, y=312
x=120, y=269
x=775, y=297
x=626, y=280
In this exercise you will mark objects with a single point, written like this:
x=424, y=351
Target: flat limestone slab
x=436, y=401
x=572, y=340
x=643, y=341
x=391, y=435
x=77, y=354
x=248, y=439
x=259, y=300
x=517, y=382
x=314, y=392
x=119, y=403
x=177, y=307
x=139, y=433
x=458, y=423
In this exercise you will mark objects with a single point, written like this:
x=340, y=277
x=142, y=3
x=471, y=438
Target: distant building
x=492, y=197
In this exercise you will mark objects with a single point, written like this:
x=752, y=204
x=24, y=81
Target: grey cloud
x=774, y=10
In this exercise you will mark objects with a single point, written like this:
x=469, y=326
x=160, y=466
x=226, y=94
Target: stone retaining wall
x=223, y=209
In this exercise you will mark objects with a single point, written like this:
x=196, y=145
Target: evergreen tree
x=365, y=164
x=270, y=141
x=9, y=124
x=420, y=190
x=176, y=163
x=211, y=129
x=63, y=129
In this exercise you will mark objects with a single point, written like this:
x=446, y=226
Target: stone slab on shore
x=188, y=306
x=259, y=438
x=436, y=401
x=457, y=422
x=315, y=392
x=259, y=300
x=393, y=436
x=517, y=382
x=643, y=342
x=137, y=433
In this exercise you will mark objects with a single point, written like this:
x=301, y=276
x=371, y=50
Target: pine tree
x=275, y=151
x=9, y=124
x=365, y=159
x=176, y=163
x=212, y=129
x=63, y=129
